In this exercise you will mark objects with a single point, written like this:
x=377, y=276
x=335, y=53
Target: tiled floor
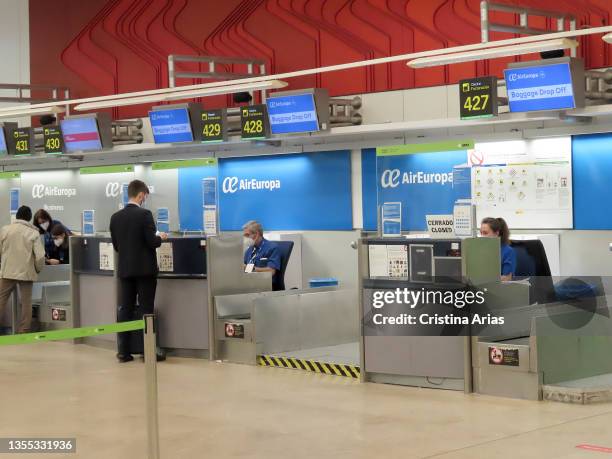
x=212, y=410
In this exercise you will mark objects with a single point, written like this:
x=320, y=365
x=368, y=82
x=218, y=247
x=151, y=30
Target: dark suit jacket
x=133, y=233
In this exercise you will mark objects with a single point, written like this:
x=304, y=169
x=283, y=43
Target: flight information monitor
x=291, y=114
x=542, y=87
x=171, y=126
x=3, y=149
x=81, y=134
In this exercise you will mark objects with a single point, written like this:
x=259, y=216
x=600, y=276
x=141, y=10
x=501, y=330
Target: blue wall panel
x=287, y=192
x=592, y=181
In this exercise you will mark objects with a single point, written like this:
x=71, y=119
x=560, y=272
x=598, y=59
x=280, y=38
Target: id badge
x=249, y=268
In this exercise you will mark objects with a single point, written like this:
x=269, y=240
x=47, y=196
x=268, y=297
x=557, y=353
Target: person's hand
x=52, y=261
x=164, y=236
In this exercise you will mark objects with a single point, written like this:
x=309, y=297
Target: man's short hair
x=137, y=186
x=24, y=213
x=253, y=227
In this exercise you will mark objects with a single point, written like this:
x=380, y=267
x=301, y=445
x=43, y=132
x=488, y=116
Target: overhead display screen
x=52, y=140
x=292, y=114
x=171, y=126
x=3, y=149
x=545, y=87
x=81, y=134
x=21, y=140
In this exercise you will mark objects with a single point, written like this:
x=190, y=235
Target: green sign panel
x=425, y=148
x=165, y=165
x=10, y=175
x=106, y=169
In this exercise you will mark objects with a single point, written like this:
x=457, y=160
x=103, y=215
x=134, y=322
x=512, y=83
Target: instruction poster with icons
x=527, y=182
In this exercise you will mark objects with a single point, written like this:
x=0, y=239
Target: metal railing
x=24, y=93
x=214, y=73
x=487, y=26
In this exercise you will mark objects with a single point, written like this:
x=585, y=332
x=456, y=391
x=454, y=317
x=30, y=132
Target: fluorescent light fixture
x=607, y=38
x=179, y=95
x=492, y=53
x=27, y=111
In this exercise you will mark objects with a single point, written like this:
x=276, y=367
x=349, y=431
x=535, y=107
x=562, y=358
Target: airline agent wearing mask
x=497, y=227
x=60, y=252
x=262, y=255
x=45, y=224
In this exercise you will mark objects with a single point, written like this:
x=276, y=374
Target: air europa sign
x=392, y=178
x=41, y=191
x=234, y=184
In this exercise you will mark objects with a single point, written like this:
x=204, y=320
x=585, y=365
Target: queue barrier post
x=148, y=325
x=150, y=356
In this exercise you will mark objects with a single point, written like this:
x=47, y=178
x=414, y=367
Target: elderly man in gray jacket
x=22, y=257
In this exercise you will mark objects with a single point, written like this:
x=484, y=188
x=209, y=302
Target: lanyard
x=254, y=254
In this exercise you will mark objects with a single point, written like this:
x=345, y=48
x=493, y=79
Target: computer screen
x=81, y=134
x=171, y=126
x=293, y=114
x=3, y=149
x=542, y=87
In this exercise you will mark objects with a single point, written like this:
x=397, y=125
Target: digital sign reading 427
x=478, y=98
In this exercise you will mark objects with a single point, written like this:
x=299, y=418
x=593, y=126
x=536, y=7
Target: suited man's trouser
x=25, y=292
x=133, y=291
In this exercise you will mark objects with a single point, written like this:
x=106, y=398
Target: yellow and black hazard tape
x=335, y=369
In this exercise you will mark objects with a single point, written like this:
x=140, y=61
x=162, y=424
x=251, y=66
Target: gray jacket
x=22, y=253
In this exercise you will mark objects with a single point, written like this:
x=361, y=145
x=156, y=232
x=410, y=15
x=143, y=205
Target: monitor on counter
x=294, y=112
x=5, y=129
x=174, y=123
x=551, y=84
x=85, y=133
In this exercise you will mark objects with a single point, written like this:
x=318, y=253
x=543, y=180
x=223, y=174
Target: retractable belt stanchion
x=148, y=325
x=150, y=357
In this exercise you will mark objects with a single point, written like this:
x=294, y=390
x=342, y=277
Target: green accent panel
x=10, y=175
x=107, y=169
x=425, y=148
x=72, y=333
x=579, y=348
x=164, y=165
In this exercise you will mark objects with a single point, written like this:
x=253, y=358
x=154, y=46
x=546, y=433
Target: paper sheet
x=107, y=256
x=165, y=257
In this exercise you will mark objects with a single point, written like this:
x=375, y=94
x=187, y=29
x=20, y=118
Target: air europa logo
x=41, y=191
x=234, y=184
x=391, y=178
x=112, y=189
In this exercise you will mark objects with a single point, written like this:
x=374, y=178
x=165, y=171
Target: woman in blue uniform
x=497, y=227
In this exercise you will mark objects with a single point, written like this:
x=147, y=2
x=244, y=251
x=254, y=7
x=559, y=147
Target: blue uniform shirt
x=508, y=260
x=266, y=255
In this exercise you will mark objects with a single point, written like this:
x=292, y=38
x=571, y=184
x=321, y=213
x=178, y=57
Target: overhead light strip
x=179, y=95
x=502, y=51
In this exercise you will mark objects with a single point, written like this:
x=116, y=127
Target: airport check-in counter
x=543, y=347
x=181, y=302
x=249, y=320
x=415, y=356
x=51, y=301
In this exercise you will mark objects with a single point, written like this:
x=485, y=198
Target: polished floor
x=212, y=410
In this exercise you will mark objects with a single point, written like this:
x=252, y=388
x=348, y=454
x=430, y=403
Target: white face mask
x=44, y=226
x=58, y=241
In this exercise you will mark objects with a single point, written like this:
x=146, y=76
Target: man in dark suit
x=135, y=239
